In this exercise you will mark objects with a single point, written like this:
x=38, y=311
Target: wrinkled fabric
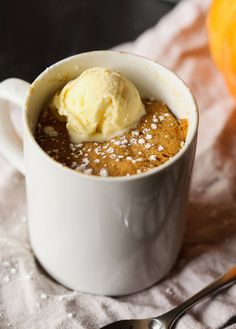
x=31, y=299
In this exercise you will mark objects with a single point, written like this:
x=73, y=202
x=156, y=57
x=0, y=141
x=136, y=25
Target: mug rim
x=159, y=169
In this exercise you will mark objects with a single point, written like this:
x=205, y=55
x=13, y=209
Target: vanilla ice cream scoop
x=99, y=105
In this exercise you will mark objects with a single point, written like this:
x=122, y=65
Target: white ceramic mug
x=102, y=235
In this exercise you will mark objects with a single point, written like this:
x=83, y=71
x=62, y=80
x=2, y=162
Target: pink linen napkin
x=31, y=299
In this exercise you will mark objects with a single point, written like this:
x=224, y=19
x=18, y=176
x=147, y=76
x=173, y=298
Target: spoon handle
x=222, y=282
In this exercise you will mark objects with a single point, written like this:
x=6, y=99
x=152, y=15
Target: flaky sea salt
x=98, y=150
x=110, y=150
x=13, y=270
x=88, y=171
x=141, y=141
x=85, y=161
x=118, y=143
x=147, y=146
x=160, y=148
x=149, y=136
x=81, y=167
x=161, y=117
x=129, y=158
x=169, y=291
x=154, y=126
x=72, y=147
x=50, y=131
x=133, y=141
x=70, y=315
x=152, y=157
x=43, y=296
x=96, y=161
x=74, y=165
x=104, y=172
x=135, y=133
x=154, y=118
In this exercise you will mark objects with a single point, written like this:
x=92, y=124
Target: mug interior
x=151, y=79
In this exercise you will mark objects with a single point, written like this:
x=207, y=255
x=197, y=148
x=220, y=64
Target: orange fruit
x=221, y=25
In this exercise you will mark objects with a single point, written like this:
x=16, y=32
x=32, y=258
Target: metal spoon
x=167, y=320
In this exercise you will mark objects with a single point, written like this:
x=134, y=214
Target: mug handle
x=15, y=91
